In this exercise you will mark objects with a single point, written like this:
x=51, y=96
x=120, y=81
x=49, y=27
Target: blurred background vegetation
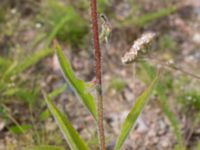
x=28, y=66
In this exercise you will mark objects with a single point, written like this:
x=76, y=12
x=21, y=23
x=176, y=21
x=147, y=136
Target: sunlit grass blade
x=44, y=147
x=78, y=85
x=134, y=113
x=70, y=134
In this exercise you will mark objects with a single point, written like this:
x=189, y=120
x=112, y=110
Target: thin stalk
x=98, y=74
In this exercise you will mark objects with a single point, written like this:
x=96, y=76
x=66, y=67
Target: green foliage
x=143, y=20
x=45, y=114
x=118, y=84
x=45, y=147
x=63, y=21
x=57, y=91
x=102, y=5
x=3, y=112
x=198, y=146
x=169, y=114
x=163, y=101
x=167, y=43
x=24, y=94
x=2, y=14
x=167, y=82
x=19, y=129
x=11, y=84
x=79, y=86
x=32, y=59
x=70, y=134
x=189, y=99
x=4, y=63
x=134, y=113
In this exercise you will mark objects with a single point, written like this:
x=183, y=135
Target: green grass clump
x=75, y=27
x=189, y=100
x=161, y=89
x=12, y=84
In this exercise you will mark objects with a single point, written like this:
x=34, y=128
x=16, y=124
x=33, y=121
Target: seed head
x=140, y=45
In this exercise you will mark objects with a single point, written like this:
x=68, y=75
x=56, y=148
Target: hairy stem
x=98, y=74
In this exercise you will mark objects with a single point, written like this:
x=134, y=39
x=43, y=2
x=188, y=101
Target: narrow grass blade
x=70, y=134
x=165, y=107
x=141, y=21
x=44, y=147
x=19, y=129
x=78, y=85
x=134, y=113
x=33, y=59
x=57, y=91
x=56, y=29
x=169, y=114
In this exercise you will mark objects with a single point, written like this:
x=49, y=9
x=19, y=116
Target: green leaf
x=44, y=115
x=45, y=147
x=57, y=91
x=78, y=85
x=19, y=129
x=134, y=113
x=70, y=134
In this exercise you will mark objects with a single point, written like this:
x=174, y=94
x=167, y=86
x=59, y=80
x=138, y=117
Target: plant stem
x=98, y=74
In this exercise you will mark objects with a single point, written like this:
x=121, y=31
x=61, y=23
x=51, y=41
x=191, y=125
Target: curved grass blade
x=134, y=113
x=78, y=85
x=70, y=134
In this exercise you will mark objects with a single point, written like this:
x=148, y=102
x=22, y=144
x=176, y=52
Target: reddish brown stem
x=98, y=73
x=96, y=40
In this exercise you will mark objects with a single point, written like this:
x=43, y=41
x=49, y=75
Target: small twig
x=98, y=74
